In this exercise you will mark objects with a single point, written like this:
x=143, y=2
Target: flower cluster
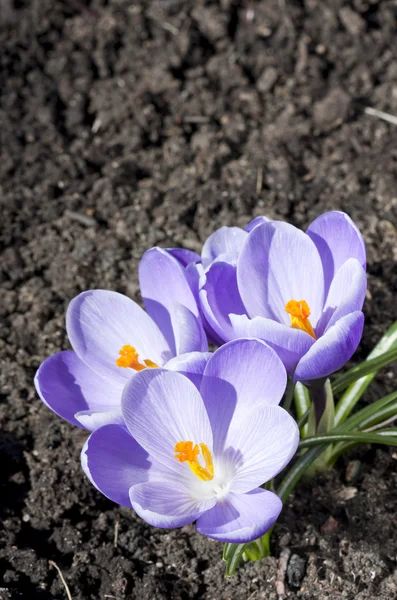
x=181, y=434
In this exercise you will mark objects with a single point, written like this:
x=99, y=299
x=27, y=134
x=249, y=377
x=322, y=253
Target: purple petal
x=162, y=408
x=191, y=365
x=346, y=294
x=337, y=239
x=68, y=386
x=195, y=273
x=241, y=518
x=331, y=351
x=260, y=444
x=239, y=376
x=113, y=461
x=93, y=419
x=188, y=330
x=183, y=256
x=219, y=297
x=226, y=240
x=165, y=289
x=255, y=222
x=279, y=263
x=161, y=521
x=290, y=344
x=168, y=500
x=99, y=323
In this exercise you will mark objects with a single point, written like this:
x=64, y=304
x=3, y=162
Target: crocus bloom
x=200, y=455
x=300, y=292
x=219, y=255
x=113, y=338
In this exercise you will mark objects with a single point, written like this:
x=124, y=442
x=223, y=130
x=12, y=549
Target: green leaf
x=371, y=366
x=322, y=410
x=311, y=422
x=358, y=379
x=325, y=425
x=255, y=550
x=302, y=406
x=232, y=555
x=387, y=437
x=297, y=471
x=374, y=414
x=252, y=550
x=388, y=431
x=387, y=413
x=301, y=399
x=371, y=415
x=326, y=422
x=303, y=421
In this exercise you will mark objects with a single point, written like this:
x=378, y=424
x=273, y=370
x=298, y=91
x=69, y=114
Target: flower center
x=189, y=452
x=129, y=357
x=300, y=312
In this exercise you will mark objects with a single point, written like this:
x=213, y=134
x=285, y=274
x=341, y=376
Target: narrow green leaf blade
x=368, y=367
x=385, y=437
x=232, y=555
x=302, y=407
x=358, y=379
x=371, y=415
x=298, y=470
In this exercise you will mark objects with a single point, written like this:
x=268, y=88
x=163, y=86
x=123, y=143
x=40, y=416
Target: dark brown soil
x=128, y=124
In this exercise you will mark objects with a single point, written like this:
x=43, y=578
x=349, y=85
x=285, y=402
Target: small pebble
x=267, y=80
x=296, y=570
x=332, y=110
x=330, y=526
x=346, y=493
x=352, y=470
x=352, y=21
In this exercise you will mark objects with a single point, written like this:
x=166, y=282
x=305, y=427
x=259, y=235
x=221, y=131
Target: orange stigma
x=129, y=357
x=189, y=452
x=300, y=313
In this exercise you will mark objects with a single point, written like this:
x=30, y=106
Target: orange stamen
x=189, y=452
x=129, y=358
x=300, y=312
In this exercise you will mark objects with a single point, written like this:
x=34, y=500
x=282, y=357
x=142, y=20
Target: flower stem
x=318, y=397
x=321, y=419
x=289, y=394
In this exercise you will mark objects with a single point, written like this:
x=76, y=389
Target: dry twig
x=281, y=571
x=116, y=529
x=65, y=585
x=259, y=180
x=381, y=115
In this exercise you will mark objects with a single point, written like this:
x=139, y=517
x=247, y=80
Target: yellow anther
x=189, y=452
x=129, y=358
x=300, y=312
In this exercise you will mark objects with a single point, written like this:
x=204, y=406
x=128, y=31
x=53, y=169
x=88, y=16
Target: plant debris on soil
x=126, y=124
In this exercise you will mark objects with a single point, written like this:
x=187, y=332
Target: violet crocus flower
x=300, y=292
x=224, y=244
x=219, y=256
x=113, y=338
x=200, y=455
